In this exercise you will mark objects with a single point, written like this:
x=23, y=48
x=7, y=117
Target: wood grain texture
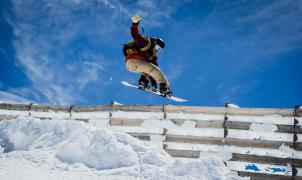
x=266, y=159
x=260, y=176
x=126, y=122
x=20, y=107
x=228, y=141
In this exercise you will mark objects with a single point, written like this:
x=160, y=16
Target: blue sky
x=69, y=52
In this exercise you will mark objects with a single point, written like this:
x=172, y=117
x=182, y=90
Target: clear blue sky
x=69, y=52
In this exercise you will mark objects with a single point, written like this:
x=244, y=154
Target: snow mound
x=53, y=146
x=231, y=105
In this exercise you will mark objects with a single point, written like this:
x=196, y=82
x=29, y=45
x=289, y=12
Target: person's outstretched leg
x=165, y=90
x=140, y=66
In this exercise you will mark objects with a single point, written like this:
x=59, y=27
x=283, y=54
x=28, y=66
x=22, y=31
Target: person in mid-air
x=140, y=55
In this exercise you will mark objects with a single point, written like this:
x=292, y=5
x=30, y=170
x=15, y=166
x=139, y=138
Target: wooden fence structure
x=264, y=143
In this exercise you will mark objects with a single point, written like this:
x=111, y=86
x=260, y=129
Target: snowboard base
x=173, y=98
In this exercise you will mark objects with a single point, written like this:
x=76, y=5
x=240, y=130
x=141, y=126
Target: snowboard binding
x=173, y=98
x=142, y=85
x=143, y=82
x=165, y=90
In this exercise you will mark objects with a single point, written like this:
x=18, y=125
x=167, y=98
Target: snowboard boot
x=153, y=87
x=165, y=90
x=143, y=82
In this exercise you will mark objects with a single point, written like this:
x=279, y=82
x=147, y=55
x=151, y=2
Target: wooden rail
x=165, y=108
x=210, y=126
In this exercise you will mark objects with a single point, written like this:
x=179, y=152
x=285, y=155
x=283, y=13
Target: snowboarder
x=140, y=55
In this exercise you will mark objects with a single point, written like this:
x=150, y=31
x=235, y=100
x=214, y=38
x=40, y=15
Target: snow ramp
x=260, y=143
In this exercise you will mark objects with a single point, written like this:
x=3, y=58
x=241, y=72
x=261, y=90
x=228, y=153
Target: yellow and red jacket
x=141, y=47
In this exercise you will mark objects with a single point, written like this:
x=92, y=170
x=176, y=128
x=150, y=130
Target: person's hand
x=135, y=19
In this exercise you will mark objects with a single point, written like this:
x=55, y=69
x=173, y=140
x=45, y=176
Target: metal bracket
x=164, y=110
x=225, y=128
x=29, y=108
x=70, y=109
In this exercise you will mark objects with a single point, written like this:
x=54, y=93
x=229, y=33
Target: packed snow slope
x=61, y=149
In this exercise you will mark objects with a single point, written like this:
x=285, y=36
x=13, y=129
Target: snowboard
x=173, y=98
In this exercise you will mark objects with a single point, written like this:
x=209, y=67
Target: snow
x=137, y=115
x=61, y=149
x=272, y=118
x=263, y=127
x=13, y=112
x=198, y=116
x=231, y=105
x=89, y=115
x=206, y=132
x=259, y=135
x=116, y=103
x=50, y=114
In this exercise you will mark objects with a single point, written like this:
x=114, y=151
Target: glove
x=160, y=42
x=135, y=19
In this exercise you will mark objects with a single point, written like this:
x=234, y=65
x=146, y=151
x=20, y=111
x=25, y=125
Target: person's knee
x=131, y=66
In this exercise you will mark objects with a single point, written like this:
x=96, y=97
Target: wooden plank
x=289, y=129
x=45, y=108
x=7, y=117
x=59, y=108
x=178, y=122
x=82, y=119
x=89, y=108
x=168, y=108
x=20, y=107
x=42, y=118
x=141, y=136
x=246, y=126
x=230, y=111
x=137, y=108
x=209, y=124
x=193, y=139
x=260, y=111
x=257, y=143
x=261, y=176
x=201, y=124
x=126, y=122
x=238, y=125
x=195, y=109
x=228, y=141
x=266, y=159
x=183, y=153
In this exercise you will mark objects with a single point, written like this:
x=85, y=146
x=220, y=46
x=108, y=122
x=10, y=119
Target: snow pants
x=144, y=67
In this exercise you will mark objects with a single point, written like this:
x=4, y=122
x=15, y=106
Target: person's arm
x=140, y=40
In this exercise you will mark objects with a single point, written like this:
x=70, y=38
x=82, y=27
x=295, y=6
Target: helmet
x=160, y=42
